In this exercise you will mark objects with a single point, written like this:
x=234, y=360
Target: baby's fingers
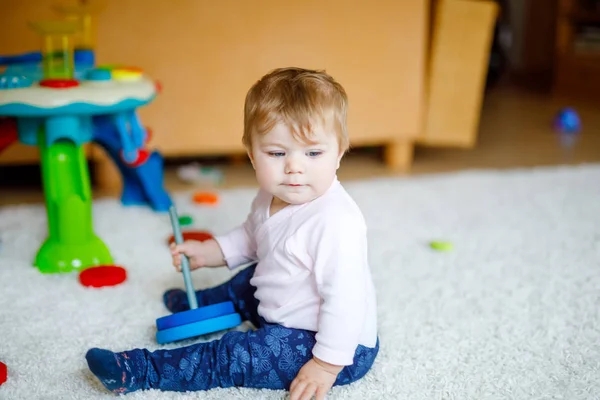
x=177, y=266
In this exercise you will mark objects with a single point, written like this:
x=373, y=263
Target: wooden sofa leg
x=398, y=155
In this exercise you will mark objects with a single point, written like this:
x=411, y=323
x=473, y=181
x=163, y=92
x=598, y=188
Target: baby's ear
x=339, y=159
x=249, y=152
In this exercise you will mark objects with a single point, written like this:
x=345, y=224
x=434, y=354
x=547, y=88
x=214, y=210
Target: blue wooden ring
x=198, y=328
x=195, y=315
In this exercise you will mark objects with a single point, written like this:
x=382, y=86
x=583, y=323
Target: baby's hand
x=316, y=377
x=195, y=252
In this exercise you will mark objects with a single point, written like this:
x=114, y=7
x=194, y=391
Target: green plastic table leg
x=71, y=243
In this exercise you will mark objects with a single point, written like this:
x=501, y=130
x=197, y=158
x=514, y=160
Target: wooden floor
x=515, y=131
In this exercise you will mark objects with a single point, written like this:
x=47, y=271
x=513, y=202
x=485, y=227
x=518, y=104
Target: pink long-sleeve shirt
x=313, y=272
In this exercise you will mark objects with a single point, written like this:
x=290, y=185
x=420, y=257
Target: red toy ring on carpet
x=3, y=373
x=103, y=275
x=200, y=236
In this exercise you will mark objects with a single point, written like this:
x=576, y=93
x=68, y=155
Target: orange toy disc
x=104, y=275
x=206, y=198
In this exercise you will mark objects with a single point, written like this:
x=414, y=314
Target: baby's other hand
x=194, y=252
x=316, y=377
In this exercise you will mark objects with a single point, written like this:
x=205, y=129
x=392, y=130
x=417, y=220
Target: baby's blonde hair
x=299, y=98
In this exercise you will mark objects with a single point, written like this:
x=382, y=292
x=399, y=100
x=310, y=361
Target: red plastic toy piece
x=59, y=83
x=158, y=87
x=8, y=132
x=3, y=373
x=142, y=157
x=104, y=275
x=200, y=236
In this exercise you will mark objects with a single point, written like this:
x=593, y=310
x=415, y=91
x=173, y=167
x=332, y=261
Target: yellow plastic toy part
x=126, y=74
x=57, y=47
x=82, y=14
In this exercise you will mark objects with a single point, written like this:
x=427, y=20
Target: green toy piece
x=71, y=242
x=185, y=220
x=441, y=246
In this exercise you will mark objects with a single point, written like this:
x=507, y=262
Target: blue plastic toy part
x=76, y=128
x=25, y=58
x=130, y=152
x=10, y=81
x=198, y=328
x=196, y=315
x=27, y=110
x=142, y=184
x=81, y=57
x=84, y=58
x=138, y=132
x=196, y=321
x=98, y=75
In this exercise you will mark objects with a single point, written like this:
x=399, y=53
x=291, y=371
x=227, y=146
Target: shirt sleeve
x=341, y=268
x=238, y=245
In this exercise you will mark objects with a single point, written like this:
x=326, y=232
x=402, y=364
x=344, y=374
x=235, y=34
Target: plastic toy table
x=60, y=116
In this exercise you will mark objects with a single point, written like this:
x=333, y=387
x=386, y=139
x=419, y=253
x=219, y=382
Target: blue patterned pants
x=268, y=357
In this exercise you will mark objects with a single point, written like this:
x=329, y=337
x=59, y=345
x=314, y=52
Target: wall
x=208, y=53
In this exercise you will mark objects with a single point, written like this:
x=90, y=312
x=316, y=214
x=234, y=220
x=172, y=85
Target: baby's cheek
x=266, y=174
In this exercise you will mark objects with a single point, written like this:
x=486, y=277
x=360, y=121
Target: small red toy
x=104, y=275
x=3, y=373
x=200, y=236
x=59, y=83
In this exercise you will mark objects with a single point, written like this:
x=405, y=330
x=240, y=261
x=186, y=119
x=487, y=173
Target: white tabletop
x=98, y=93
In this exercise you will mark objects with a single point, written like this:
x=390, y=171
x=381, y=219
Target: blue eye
x=276, y=153
x=314, y=153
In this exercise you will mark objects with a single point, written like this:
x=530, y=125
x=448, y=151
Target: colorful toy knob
x=98, y=74
x=127, y=74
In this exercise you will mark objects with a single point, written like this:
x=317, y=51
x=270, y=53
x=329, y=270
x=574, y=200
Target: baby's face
x=293, y=171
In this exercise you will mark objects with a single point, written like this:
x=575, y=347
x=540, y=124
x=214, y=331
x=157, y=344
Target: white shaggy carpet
x=513, y=312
